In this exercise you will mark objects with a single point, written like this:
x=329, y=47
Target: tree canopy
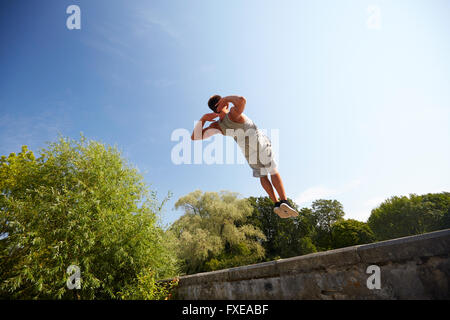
x=78, y=203
x=283, y=237
x=213, y=232
x=403, y=216
x=350, y=232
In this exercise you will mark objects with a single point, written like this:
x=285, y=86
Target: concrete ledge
x=415, y=267
x=424, y=245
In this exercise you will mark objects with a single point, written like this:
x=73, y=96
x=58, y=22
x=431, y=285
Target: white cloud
x=321, y=192
x=108, y=38
x=148, y=20
x=314, y=193
x=374, y=202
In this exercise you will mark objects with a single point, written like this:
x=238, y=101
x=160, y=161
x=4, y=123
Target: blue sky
x=363, y=112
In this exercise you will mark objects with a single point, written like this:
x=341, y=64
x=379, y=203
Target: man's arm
x=237, y=101
x=201, y=133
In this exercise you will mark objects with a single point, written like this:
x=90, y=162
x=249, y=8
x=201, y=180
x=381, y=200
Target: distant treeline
x=220, y=230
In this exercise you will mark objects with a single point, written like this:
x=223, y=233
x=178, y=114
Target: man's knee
x=275, y=173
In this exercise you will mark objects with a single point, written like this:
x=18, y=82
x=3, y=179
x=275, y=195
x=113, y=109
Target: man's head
x=213, y=101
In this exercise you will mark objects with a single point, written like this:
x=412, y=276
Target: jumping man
x=254, y=144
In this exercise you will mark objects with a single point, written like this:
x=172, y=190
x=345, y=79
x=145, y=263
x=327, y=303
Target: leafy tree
x=324, y=214
x=79, y=203
x=148, y=288
x=213, y=233
x=445, y=221
x=283, y=237
x=351, y=232
x=327, y=212
x=437, y=206
x=404, y=216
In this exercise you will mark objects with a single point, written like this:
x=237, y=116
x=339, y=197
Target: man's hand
x=209, y=116
x=199, y=133
x=222, y=103
x=237, y=101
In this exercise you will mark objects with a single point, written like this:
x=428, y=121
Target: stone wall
x=416, y=267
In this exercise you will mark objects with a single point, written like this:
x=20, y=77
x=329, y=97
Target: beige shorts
x=261, y=158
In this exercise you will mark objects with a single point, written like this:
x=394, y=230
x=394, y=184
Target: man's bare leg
x=278, y=184
x=283, y=204
x=265, y=182
x=267, y=185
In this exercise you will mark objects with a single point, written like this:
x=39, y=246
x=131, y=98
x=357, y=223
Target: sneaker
x=287, y=209
x=280, y=212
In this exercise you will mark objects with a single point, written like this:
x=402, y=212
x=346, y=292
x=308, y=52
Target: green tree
x=437, y=206
x=404, y=216
x=324, y=214
x=351, y=232
x=213, y=233
x=283, y=237
x=79, y=203
x=445, y=221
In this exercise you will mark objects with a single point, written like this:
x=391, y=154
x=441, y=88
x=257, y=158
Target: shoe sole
x=288, y=210
x=281, y=213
